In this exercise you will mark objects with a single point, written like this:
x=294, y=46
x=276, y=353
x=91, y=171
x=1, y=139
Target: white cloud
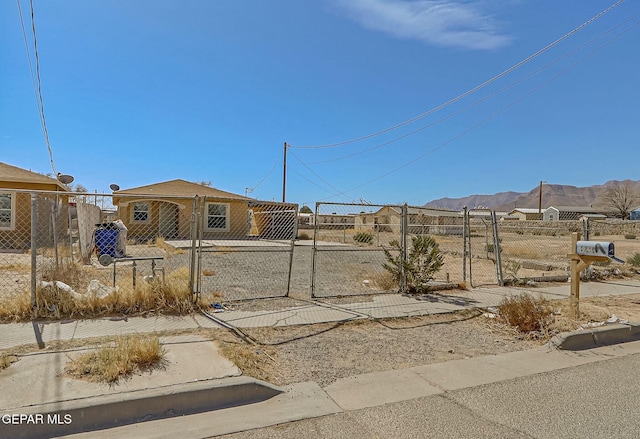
x=437, y=22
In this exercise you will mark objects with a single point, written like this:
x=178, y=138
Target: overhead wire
x=317, y=176
x=469, y=92
x=479, y=101
x=268, y=174
x=37, y=81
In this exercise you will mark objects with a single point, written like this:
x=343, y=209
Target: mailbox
x=597, y=248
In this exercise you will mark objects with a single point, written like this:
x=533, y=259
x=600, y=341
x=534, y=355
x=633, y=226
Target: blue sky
x=138, y=92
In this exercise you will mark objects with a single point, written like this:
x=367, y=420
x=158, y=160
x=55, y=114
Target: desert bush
x=526, y=313
x=423, y=262
x=125, y=356
x=304, y=236
x=363, y=238
x=629, y=236
x=634, y=260
x=490, y=248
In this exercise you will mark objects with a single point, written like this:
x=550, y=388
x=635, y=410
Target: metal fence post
x=496, y=248
x=465, y=219
x=585, y=229
x=192, y=261
x=403, y=247
x=314, y=250
x=34, y=248
x=293, y=246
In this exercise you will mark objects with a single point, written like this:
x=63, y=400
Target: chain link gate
x=482, y=250
x=349, y=244
x=536, y=250
x=245, y=248
x=355, y=246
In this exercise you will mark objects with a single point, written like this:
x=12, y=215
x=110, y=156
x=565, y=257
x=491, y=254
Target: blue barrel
x=106, y=241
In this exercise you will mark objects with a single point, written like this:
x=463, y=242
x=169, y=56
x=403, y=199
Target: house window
x=217, y=216
x=7, y=211
x=140, y=212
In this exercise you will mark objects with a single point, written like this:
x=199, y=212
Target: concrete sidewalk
x=199, y=379
x=308, y=312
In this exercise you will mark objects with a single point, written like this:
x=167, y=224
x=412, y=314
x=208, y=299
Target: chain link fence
x=55, y=246
x=238, y=248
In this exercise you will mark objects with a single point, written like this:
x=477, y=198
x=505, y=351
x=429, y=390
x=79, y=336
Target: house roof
x=576, y=209
x=180, y=188
x=18, y=175
x=424, y=211
x=526, y=210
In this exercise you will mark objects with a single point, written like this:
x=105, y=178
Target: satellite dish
x=114, y=187
x=65, y=179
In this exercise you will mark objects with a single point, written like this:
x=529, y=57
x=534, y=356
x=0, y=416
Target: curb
x=593, y=338
x=108, y=411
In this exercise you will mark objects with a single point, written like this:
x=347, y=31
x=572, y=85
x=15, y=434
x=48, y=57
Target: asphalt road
x=597, y=400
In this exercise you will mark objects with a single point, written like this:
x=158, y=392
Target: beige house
x=419, y=220
x=165, y=209
x=524, y=214
x=15, y=207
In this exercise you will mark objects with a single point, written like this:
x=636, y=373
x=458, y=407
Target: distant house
x=635, y=214
x=331, y=220
x=165, y=209
x=524, y=214
x=571, y=213
x=15, y=206
x=419, y=220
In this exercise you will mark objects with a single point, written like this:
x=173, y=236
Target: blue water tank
x=106, y=240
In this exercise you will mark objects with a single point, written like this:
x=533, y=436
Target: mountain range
x=552, y=195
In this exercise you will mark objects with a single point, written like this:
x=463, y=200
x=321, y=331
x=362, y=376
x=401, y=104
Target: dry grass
x=126, y=356
x=255, y=361
x=16, y=267
x=169, y=249
x=522, y=250
x=169, y=297
x=6, y=360
x=385, y=281
x=527, y=313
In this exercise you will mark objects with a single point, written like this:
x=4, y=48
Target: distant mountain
x=475, y=201
x=552, y=195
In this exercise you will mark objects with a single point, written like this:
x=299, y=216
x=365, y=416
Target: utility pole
x=284, y=174
x=540, y=198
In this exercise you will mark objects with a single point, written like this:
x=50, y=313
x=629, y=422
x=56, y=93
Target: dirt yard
x=324, y=353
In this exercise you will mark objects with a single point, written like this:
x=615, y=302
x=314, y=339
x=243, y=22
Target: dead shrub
x=6, y=360
x=526, y=313
x=127, y=355
x=385, y=281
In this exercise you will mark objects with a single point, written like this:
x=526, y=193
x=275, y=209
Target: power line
x=37, y=79
x=473, y=90
x=339, y=192
x=268, y=174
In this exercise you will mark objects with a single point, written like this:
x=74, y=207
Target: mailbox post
x=584, y=254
